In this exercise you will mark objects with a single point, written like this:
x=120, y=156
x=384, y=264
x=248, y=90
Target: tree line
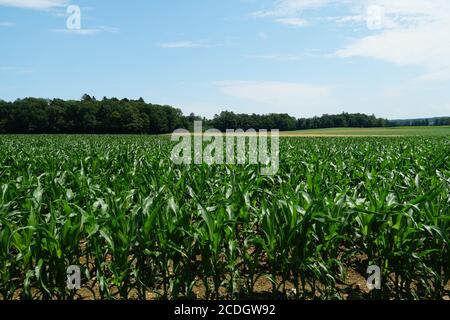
x=440, y=121
x=285, y=122
x=89, y=115
x=111, y=115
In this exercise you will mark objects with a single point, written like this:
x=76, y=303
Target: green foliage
x=88, y=116
x=136, y=223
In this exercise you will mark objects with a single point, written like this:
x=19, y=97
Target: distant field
x=397, y=131
x=367, y=132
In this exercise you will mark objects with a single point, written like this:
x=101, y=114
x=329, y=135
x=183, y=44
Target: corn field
x=141, y=227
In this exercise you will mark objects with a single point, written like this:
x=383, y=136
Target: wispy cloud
x=188, y=44
x=88, y=31
x=401, y=32
x=277, y=94
x=288, y=12
x=348, y=19
x=34, y=4
x=289, y=8
x=408, y=33
x=7, y=24
x=276, y=57
x=296, y=22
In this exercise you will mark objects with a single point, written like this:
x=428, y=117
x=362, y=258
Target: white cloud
x=402, y=32
x=188, y=44
x=297, y=22
x=34, y=4
x=275, y=94
x=347, y=19
x=411, y=46
x=412, y=33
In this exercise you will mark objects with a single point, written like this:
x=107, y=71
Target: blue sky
x=302, y=57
